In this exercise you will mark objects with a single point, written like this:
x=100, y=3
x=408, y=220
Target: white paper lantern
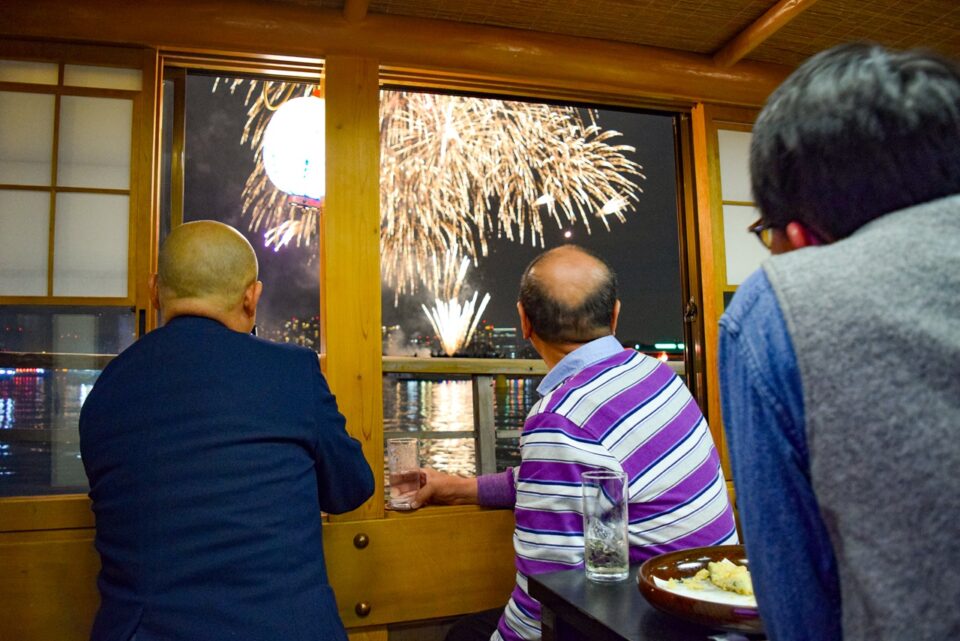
x=294, y=145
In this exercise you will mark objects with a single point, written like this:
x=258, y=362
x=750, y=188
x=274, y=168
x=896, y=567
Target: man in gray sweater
x=840, y=357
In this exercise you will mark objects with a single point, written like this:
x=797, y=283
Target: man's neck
x=553, y=353
x=192, y=307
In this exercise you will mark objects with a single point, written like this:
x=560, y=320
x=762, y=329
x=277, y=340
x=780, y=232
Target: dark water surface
x=39, y=445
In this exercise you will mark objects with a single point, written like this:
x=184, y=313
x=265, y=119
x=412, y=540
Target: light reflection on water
x=39, y=444
x=412, y=405
x=416, y=405
x=446, y=405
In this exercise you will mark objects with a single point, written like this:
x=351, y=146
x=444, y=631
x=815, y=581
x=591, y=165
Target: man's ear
x=799, y=236
x=251, y=298
x=154, y=284
x=525, y=327
x=615, y=317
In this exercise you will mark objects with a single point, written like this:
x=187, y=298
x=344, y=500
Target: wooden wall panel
x=55, y=512
x=438, y=562
x=379, y=634
x=48, y=587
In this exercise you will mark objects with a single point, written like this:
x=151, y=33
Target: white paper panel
x=735, y=165
x=743, y=251
x=26, y=138
x=24, y=234
x=95, y=142
x=37, y=73
x=102, y=77
x=90, y=245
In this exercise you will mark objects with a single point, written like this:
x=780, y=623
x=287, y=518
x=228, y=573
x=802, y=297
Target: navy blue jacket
x=210, y=454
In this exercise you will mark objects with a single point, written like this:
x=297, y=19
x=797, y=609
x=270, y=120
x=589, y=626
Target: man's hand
x=438, y=488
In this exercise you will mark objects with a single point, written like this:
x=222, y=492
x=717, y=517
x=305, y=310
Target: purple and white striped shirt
x=606, y=407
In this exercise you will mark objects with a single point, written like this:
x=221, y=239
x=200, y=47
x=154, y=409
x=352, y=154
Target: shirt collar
x=587, y=354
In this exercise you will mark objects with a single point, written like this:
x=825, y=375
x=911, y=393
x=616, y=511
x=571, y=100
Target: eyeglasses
x=763, y=232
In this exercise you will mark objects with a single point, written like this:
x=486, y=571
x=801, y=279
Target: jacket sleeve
x=344, y=478
x=791, y=556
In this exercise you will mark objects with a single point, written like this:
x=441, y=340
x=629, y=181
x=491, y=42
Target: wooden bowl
x=683, y=564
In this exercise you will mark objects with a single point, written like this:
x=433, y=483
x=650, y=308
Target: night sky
x=644, y=251
x=217, y=166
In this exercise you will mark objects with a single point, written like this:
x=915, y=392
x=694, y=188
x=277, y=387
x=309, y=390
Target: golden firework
x=455, y=170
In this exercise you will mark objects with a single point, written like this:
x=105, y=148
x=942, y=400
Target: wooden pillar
x=350, y=271
x=706, y=161
x=350, y=259
x=707, y=120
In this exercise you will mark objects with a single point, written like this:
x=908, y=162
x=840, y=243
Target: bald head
x=206, y=263
x=569, y=295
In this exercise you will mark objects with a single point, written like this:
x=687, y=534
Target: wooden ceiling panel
x=701, y=26
x=931, y=24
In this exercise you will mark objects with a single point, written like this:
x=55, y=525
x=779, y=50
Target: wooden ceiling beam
x=355, y=10
x=757, y=33
x=544, y=62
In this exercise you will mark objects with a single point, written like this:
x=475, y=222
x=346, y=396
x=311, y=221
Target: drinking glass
x=606, y=549
x=403, y=460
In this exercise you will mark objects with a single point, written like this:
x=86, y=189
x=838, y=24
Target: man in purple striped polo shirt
x=602, y=407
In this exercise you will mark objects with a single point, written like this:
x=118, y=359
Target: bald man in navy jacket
x=210, y=454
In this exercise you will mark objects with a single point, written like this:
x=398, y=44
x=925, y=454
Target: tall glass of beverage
x=403, y=460
x=606, y=548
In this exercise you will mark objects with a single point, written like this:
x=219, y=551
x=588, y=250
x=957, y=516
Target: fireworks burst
x=454, y=170
x=454, y=322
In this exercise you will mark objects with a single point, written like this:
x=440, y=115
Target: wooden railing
x=512, y=367
x=483, y=373
x=44, y=360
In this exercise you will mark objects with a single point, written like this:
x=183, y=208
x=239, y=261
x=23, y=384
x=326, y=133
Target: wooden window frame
x=707, y=121
x=309, y=71
x=141, y=140
x=63, y=524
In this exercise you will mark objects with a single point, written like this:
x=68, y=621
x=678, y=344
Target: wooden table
x=575, y=608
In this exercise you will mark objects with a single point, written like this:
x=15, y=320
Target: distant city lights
x=299, y=331
x=659, y=347
x=16, y=371
x=6, y=416
x=85, y=390
x=668, y=346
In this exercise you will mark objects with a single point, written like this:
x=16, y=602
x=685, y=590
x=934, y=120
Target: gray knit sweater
x=875, y=324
